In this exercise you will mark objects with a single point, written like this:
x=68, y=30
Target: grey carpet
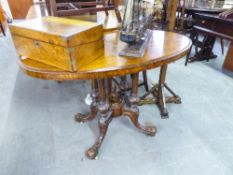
x=38, y=135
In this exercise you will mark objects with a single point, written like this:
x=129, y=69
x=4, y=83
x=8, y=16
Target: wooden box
x=63, y=43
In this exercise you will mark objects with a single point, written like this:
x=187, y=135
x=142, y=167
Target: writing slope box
x=63, y=43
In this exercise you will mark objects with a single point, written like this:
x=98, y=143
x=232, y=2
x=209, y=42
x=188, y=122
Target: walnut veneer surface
x=163, y=48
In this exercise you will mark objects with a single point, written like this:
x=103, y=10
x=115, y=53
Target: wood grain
x=59, y=31
x=109, y=23
x=163, y=48
x=19, y=8
x=63, y=43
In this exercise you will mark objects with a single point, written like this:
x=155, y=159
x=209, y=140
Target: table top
x=163, y=48
x=214, y=6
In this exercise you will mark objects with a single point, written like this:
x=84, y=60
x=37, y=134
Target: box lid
x=59, y=31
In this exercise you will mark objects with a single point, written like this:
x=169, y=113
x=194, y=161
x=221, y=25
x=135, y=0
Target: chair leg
x=187, y=57
x=104, y=4
x=222, y=45
x=118, y=14
x=2, y=29
x=194, y=38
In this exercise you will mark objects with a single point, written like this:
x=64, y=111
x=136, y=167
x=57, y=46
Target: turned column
x=94, y=95
x=104, y=120
x=132, y=110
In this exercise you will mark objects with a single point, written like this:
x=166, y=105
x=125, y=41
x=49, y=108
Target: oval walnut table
x=110, y=102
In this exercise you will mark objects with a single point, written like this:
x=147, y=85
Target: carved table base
x=158, y=94
x=111, y=103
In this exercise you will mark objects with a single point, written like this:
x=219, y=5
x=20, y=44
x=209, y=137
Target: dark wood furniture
x=108, y=100
x=110, y=22
x=188, y=8
x=207, y=6
x=71, y=8
x=211, y=26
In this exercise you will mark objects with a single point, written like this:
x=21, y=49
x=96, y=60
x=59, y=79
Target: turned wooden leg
x=161, y=97
x=132, y=110
x=109, y=89
x=2, y=29
x=118, y=14
x=94, y=94
x=123, y=83
x=104, y=120
x=145, y=80
x=187, y=57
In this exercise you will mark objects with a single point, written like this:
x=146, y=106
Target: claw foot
x=92, y=153
x=151, y=130
x=79, y=118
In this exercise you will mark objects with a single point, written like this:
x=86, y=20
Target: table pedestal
x=110, y=103
x=158, y=94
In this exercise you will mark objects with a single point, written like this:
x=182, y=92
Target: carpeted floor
x=38, y=135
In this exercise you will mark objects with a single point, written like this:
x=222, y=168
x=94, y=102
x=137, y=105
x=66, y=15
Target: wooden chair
x=203, y=48
x=72, y=7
